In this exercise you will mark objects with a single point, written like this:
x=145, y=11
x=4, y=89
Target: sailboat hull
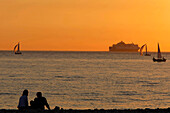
x=147, y=54
x=159, y=60
x=18, y=52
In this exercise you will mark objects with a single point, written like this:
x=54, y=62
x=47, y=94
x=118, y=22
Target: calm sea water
x=85, y=80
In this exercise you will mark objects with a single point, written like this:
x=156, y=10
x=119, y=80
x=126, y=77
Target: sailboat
x=141, y=50
x=160, y=58
x=147, y=54
x=17, y=49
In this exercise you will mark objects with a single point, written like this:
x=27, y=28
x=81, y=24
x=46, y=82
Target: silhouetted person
x=23, y=101
x=40, y=102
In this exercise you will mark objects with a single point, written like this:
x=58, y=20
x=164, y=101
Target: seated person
x=39, y=102
x=23, y=101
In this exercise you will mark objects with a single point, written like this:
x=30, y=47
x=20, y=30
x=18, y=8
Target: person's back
x=40, y=102
x=23, y=101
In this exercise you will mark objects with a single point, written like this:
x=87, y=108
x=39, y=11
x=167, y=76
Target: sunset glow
x=83, y=25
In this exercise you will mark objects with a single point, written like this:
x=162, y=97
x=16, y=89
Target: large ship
x=122, y=47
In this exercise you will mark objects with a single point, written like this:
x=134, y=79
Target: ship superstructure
x=122, y=47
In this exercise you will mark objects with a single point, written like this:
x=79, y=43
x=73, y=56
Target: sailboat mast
x=18, y=47
x=146, y=49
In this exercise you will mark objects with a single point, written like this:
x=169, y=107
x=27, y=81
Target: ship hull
x=123, y=50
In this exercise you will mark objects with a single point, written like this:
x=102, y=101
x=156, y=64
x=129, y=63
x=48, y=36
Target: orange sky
x=83, y=25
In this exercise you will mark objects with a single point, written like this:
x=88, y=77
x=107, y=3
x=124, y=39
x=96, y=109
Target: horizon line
x=82, y=51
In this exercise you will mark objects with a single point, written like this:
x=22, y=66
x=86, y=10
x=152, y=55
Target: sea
x=85, y=80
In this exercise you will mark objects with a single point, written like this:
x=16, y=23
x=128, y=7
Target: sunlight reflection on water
x=85, y=79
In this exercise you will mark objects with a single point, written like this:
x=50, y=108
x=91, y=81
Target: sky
x=83, y=25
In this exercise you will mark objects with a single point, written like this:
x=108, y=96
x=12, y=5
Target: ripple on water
x=90, y=94
x=56, y=93
x=127, y=93
x=8, y=94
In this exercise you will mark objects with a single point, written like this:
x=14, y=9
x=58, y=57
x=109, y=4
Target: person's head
x=25, y=92
x=39, y=94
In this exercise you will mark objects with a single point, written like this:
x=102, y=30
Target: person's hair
x=25, y=92
x=39, y=94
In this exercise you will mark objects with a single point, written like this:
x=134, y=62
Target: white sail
x=159, y=52
x=141, y=49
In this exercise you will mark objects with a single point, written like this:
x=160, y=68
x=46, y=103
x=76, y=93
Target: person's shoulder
x=43, y=98
x=35, y=99
x=23, y=96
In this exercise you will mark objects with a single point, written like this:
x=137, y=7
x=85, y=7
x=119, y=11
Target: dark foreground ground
x=58, y=110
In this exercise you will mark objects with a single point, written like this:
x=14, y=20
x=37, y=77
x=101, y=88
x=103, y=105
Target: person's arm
x=46, y=104
x=26, y=103
x=19, y=103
